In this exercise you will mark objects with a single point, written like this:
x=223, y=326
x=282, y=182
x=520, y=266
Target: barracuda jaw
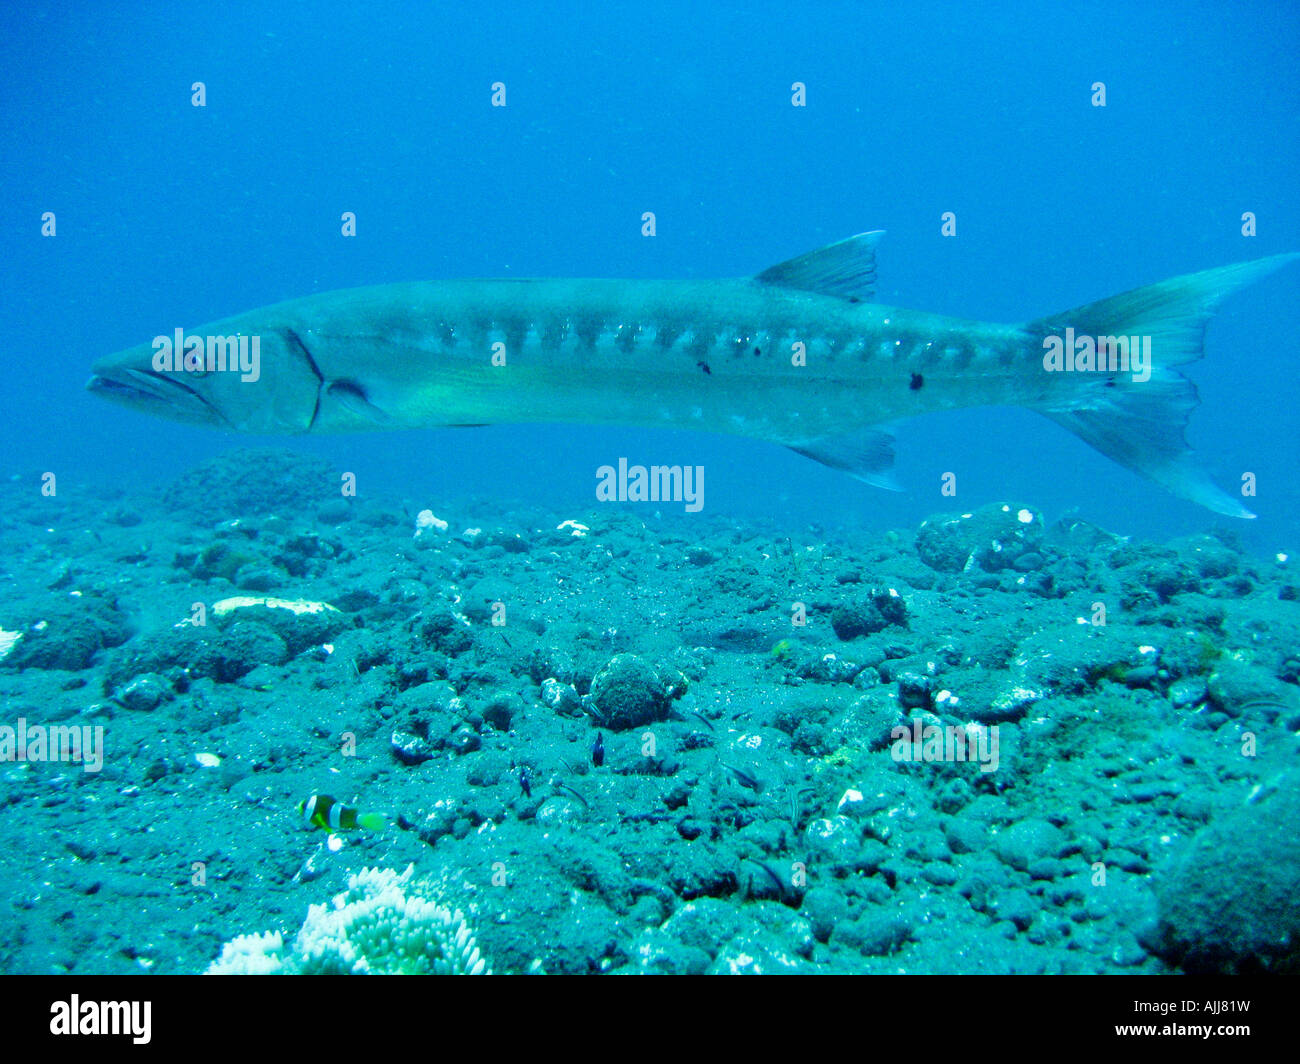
x=153, y=393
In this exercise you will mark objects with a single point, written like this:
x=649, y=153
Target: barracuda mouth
x=155, y=393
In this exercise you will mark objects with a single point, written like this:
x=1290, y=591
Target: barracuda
x=799, y=355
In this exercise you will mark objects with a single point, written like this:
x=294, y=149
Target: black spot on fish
x=705, y=366
x=917, y=382
x=854, y=299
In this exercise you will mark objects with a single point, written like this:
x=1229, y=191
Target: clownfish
x=322, y=811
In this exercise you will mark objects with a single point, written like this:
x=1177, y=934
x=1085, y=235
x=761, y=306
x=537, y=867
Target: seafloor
x=753, y=811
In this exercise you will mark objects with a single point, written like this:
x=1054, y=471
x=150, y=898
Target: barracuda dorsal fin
x=865, y=455
x=846, y=269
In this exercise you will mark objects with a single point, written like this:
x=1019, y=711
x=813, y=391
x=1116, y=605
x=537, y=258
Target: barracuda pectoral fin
x=352, y=398
x=846, y=269
x=866, y=455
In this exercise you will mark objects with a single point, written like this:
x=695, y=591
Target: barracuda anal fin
x=866, y=455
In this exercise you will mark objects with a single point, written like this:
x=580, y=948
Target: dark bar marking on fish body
x=552, y=333
x=666, y=336
x=701, y=345
x=963, y=356
x=588, y=331
x=625, y=337
x=516, y=333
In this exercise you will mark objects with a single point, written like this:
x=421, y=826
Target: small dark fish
x=771, y=874
x=569, y=790
x=525, y=781
x=598, y=750
x=745, y=779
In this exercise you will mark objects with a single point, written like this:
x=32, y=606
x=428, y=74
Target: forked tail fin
x=1140, y=422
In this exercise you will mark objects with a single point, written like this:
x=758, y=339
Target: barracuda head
x=260, y=382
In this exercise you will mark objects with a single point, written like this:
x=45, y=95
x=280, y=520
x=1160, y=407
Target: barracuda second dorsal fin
x=846, y=269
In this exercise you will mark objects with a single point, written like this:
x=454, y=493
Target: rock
x=1142, y=676
x=657, y=953
x=1186, y=691
x=334, y=512
x=490, y=597
x=871, y=721
x=299, y=623
x=246, y=645
x=825, y=909
x=144, y=693
x=965, y=835
x=915, y=691
x=464, y=739
x=66, y=632
x=876, y=935
x=257, y=577
x=501, y=710
x=991, y=539
x=1235, y=685
x=1026, y=841
x=834, y=840
x=1208, y=557
x=1015, y=905
x=879, y=610
x=561, y=697
x=1008, y=706
x=1231, y=901
x=409, y=748
x=252, y=482
x=443, y=632
x=629, y=693
x=758, y=953
x=939, y=873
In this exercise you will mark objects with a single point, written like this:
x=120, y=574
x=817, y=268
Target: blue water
x=173, y=215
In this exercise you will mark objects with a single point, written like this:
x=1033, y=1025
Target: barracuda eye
x=193, y=366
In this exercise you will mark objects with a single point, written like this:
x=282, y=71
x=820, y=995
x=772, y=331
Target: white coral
x=250, y=955
x=375, y=926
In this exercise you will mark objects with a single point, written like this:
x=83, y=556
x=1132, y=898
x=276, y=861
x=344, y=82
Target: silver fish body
x=798, y=355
